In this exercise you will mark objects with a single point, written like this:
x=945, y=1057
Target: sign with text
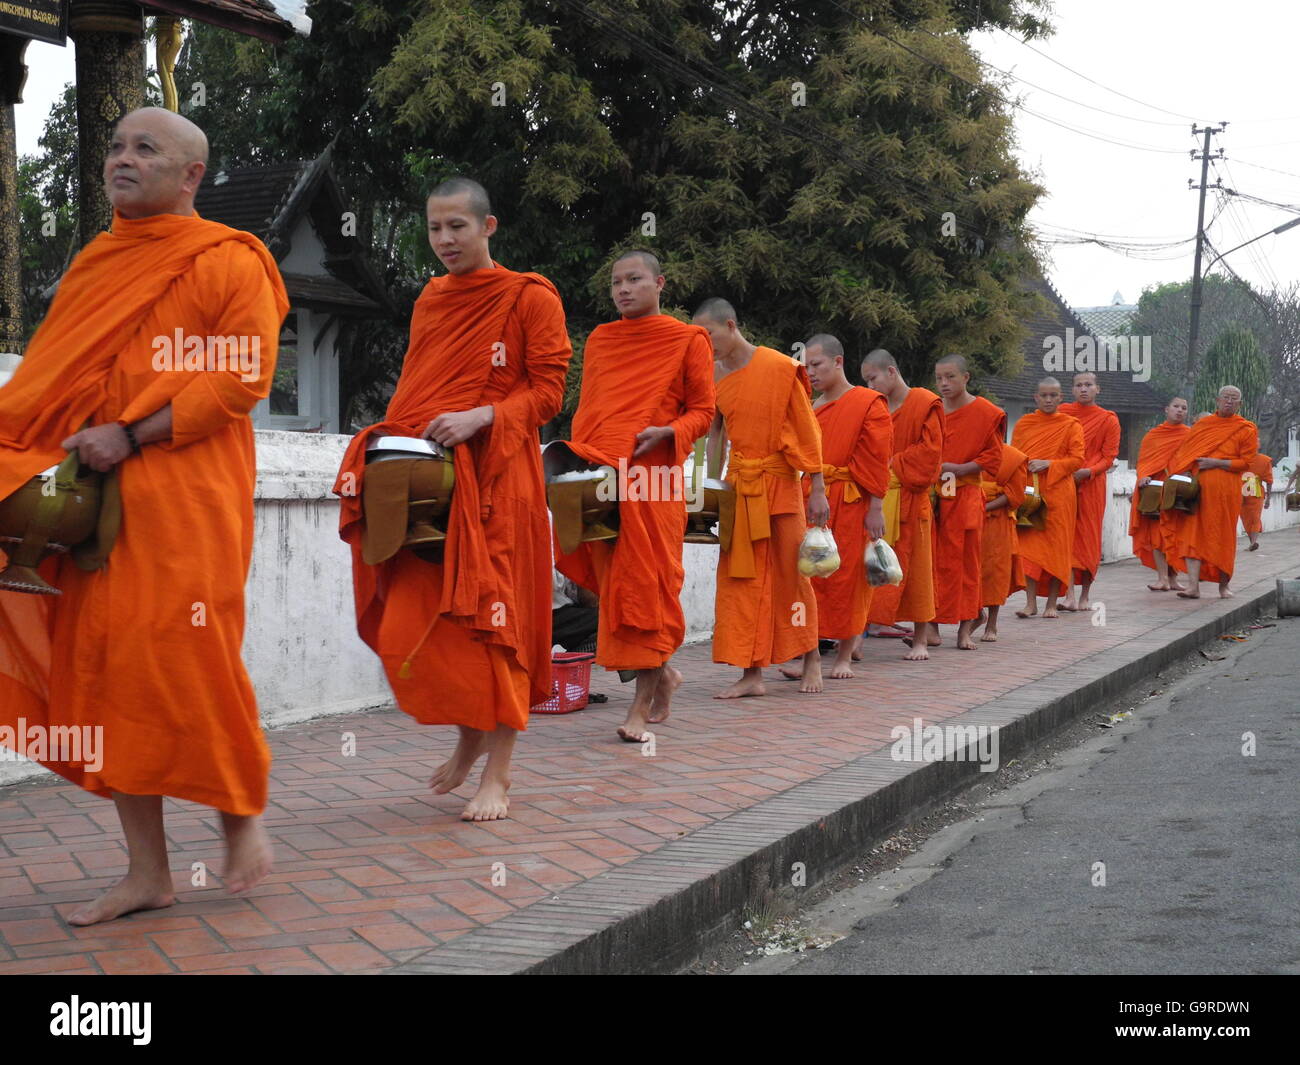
x=41, y=20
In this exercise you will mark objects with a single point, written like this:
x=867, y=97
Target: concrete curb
x=657, y=912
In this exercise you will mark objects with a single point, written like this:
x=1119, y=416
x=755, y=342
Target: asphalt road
x=1199, y=842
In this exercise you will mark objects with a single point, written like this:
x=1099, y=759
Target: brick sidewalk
x=373, y=871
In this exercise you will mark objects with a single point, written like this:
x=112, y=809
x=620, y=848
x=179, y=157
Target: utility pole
x=1204, y=155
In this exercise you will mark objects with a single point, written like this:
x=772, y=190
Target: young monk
x=467, y=641
x=972, y=444
x=1100, y=448
x=146, y=651
x=647, y=395
x=1053, y=443
x=857, y=432
x=1220, y=449
x=909, y=516
x=1153, y=536
x=1256, y=486
x=1000, y=569
x=766, y=610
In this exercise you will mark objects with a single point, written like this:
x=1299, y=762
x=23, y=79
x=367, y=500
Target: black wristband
x=130, y=436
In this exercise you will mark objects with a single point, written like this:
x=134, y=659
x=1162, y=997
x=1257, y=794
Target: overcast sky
x=1196, y=58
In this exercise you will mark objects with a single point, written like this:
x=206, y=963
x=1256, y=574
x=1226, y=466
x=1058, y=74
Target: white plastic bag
x=818, y=555
x=883, y=566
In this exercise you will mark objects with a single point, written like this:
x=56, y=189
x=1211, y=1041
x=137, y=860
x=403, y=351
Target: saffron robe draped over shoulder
x=468, y=641
x=1058, y=438
x=1210, y=531
x=639, y=372
x=145, y=653
x=1100, y=449
x=765, y=611
x=914, y=468
x=1255, y=489
x=971, y=433
x=1000, y=570
x=1152, y=534
x=857, y=434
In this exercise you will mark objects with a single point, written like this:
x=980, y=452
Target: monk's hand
x=819, y=510
x=458, y=426
x=1084, y=474
x=649, y=438
x=876, y=519
x=948, y=467
x=1037, y=465
x=1208, y=463
x=101, y=447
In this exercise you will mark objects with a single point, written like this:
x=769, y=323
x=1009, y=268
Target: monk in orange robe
x=908, y=513
x=972, y=445
x=466, y=641
x=647, y=395
x=765, y=609
x=1100, y=449
x=1219, y=449
x=141, y=658
x=857, y=433
x=1153, y=535
x=1256, y=486
x=1000, y=569
x=1053, y=443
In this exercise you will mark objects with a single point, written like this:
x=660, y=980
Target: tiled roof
x=248, y=197
x=1119, y=392
x=272, y=20
x=324, y=290
x=1107, y=321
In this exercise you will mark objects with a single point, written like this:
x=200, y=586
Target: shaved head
x=880, y=359
x=958, y=362
x=477, y=198
x=716, y=309
x=648, y=259
x=1049, y=382
x=156, y=160
x=827, y=343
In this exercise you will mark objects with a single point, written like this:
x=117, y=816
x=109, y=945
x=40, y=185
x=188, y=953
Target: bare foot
x=127, y=896
x=842, y=671
x=1027, y=613
x=990, y=636
x=812, y=678
x=790, y=673
x=916, y=654
x=452, y=773
x=932, y=641
x=1050, y=612
x=489, y=803
x=889, y=632
x=978, y=623
x=633, y=729
x=965, y=644
x=743, y=688
x=1084, y=606
x=856, y=656
x=248, y=853
x=1158, y=588
x=661, y=704
x=1067, y=604
x=1225, y=594
x=1195, y=593
x=1253, y=547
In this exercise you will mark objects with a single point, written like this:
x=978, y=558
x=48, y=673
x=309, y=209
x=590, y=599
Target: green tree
x=1233, y=358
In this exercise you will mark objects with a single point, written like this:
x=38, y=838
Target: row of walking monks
x=148, y=648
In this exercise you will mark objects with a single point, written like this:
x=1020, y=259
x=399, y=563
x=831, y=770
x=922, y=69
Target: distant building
x=1058, y=328
x=1110, y=320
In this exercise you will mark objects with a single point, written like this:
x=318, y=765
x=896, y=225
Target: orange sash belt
x=852, y=493
x=753, y=521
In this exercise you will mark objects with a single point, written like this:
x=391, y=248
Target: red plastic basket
x=570, y=683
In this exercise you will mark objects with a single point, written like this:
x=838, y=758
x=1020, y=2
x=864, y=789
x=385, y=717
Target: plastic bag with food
x=883, y=566
x=818, y=555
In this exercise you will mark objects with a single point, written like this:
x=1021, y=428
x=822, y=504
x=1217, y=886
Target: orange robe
x=1254, y=492
x=914, y=467
x=1000, y=571
x=1152, y=534
x=1046, y=553
x=147, y=649
x=857, y=434
x=468, y=641
x=972, y=433
x=1210, y=532
x=1100, y=449
x=639, y=372
x=765, y=611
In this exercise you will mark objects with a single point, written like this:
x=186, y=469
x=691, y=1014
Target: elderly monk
x=1000, y=569
x=1256, y=485
x=857, y=432
x=1219, y=449
x=466, y=639
x=146, y=651
x=647, y=395
x=1100, y=449
x=1053, y=443
x=909, y=515
x=1153, y=535
x=972, y=445
x=765, y=609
